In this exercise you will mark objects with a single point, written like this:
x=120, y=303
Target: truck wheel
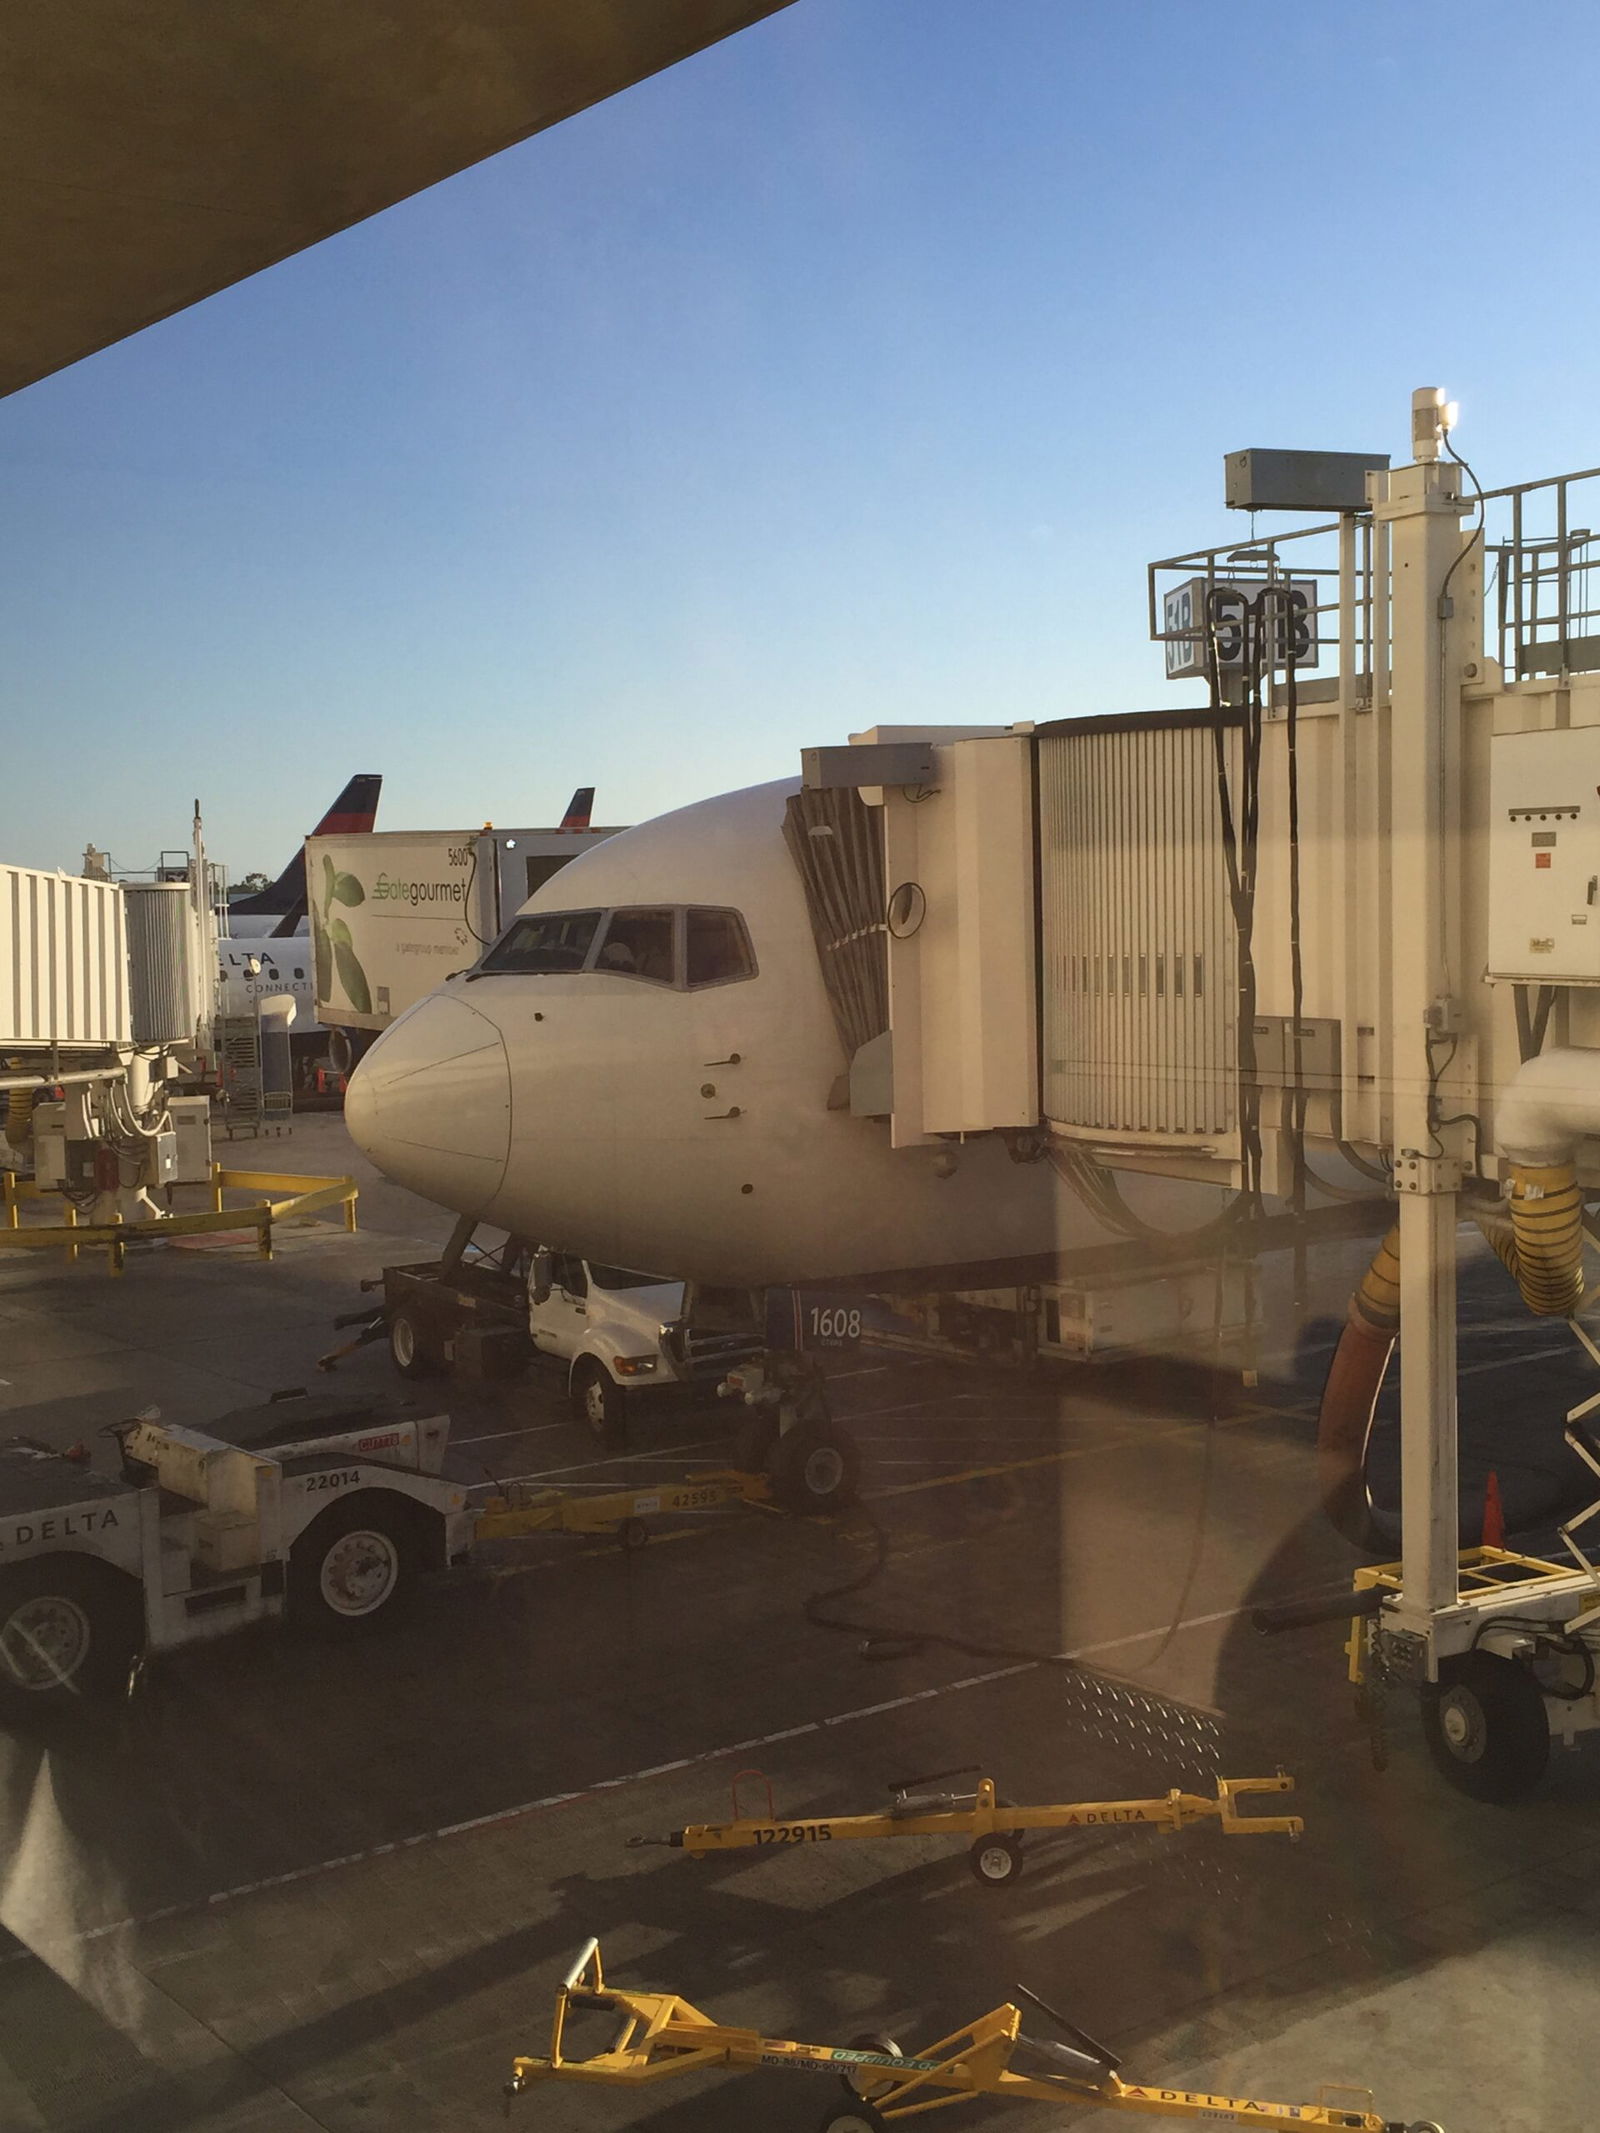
x=69, y=1626
x=353, y=1569
x=413, y=1355
x=600, y=1403
x=815, y=1467
x=858, y=2117
x=1486, y=1727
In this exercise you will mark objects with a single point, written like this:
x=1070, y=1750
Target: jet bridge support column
x=1433, y=610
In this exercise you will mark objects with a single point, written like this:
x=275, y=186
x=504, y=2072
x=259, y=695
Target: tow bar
x=995, y=1826
x=657, y=2034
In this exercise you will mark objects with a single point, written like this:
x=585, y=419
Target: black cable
x=1277, y=608
x=466, y=901
x=1436, y=1074
x=886, y=1641
x=1550, y=1632
x=1360, y=1163
x=882, y=1641
x=1208, y=1465
x=1474, y=536
x=1238, y=847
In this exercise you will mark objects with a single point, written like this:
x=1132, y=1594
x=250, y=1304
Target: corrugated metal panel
x=63, y=960
x=836, y=842
x=1140, y=1003
x=161, y=961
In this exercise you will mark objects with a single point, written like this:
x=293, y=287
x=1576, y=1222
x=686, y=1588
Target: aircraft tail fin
x=579, y=808
x=353, y=813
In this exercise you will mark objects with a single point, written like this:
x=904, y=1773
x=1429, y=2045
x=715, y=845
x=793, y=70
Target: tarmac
x=296, y=1884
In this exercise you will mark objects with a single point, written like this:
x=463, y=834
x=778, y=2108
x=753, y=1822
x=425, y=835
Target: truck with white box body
x=395, y=912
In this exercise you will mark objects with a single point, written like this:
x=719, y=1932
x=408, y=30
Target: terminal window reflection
x=717, y=948
x=663, y=944
x=639, y=944
x=545, y=941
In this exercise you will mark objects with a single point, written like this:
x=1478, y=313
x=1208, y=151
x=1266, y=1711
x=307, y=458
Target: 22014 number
x=796, y=1833
x=341, y=1480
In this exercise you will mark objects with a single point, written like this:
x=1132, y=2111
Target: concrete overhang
x=155, y=151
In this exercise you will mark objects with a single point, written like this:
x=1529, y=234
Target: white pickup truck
x=618, y=1336
x=604, y=1324
x=607, y=1326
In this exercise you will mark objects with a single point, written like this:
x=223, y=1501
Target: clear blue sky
x=849, y=372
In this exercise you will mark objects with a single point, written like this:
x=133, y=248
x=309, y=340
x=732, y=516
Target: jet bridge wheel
x=853, y=2118
x=70, y=1626
x=1486, y=1727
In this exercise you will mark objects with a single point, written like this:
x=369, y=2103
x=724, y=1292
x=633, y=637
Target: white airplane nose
x=430, y=1104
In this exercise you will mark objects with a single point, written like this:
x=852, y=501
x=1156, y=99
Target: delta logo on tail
x=355, y=811
x=579, y=808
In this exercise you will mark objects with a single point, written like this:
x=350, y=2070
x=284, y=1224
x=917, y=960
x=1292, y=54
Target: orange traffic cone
x=1494, y=1515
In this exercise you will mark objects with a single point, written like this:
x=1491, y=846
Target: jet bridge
x=1334, y=927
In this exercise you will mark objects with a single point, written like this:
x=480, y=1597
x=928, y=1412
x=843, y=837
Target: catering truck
x=394, y=912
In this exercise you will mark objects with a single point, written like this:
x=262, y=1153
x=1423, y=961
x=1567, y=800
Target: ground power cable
x=886, y=1642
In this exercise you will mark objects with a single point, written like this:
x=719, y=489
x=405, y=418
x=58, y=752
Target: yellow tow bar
x=657, y=2034
x=996, y=1828
x=618, y=1511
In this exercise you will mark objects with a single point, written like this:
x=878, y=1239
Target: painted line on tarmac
x=810, y=1727
x=552, y=1473
x=530, y=1429
x=199, y=1904
x=1015, y=1466
x=714, y=1522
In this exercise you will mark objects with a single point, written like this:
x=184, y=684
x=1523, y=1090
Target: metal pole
x=1423, y=511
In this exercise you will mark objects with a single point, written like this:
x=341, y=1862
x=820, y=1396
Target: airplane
x=281, y=908
x=258, y=968
x=640, y=1070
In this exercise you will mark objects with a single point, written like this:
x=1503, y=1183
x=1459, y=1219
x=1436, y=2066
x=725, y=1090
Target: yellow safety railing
x=302, y=1196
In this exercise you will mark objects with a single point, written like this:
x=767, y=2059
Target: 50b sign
x=1233, y=613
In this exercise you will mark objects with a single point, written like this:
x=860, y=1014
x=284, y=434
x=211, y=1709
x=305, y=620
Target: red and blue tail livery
x=579, y=808
x=355, y=811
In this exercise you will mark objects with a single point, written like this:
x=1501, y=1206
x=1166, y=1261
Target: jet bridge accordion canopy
x=1137, y=935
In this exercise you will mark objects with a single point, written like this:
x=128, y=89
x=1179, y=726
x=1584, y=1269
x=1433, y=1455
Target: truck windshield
x=620, y=1277
x=545, y=941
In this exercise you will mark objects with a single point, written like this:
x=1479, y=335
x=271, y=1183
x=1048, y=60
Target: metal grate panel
x=1140, y=986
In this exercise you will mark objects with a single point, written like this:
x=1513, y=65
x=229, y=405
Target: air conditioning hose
x=1537, y=1234
x=1350, y=1396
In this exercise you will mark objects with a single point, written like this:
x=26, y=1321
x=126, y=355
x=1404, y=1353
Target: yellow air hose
x=1543, y=1247
x=1350, y=1395
x=19, y=1117
x=1538, y=1234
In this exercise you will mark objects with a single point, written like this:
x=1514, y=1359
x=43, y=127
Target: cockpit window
x=717, y=948
x=661, y=943
x=544, y=941
x=640, y=944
